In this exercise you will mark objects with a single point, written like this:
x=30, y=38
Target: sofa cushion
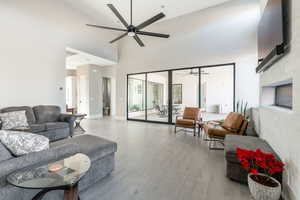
x=233, y=121
x=21, y=143
x=191, y=113
x=214, y=130
x=185, y=122
x=36, y=128
x=93, y=146
x=29, y=112
x=45, y=114
x=4, y=153
x=232, y=142
x=55, y=134
x=56, y=125
x=13, y=119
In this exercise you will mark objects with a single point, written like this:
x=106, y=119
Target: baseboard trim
x=95, y=116
x=120, y=118
x=288, y=193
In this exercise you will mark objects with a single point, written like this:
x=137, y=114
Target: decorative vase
x=263, y=192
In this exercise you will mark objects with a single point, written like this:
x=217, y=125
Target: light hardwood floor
x=152, y=163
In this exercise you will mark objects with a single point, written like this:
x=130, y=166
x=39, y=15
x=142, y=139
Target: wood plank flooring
x=152, y=163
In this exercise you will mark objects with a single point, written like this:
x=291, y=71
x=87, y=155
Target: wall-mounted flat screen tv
x=273, y=34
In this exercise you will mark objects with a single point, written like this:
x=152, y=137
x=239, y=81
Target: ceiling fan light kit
x=131, y=30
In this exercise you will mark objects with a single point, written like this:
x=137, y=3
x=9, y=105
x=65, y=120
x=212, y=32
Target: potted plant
x=261, y=167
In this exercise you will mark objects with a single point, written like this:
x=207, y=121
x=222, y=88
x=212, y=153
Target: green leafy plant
x=241, y=107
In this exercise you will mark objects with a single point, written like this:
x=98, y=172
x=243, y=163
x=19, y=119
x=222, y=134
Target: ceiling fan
x=131, y=30
x=196, y=73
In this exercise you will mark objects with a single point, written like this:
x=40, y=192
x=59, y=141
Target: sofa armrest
x=36, y=159
x=69, y=118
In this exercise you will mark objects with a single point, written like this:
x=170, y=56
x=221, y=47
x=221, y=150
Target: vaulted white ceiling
x=142, y=9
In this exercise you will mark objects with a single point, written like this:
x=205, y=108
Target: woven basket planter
x=263, y=192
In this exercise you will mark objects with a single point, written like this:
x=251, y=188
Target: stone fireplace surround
x=280, y=126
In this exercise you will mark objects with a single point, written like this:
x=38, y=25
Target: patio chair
x=191, y=117
x=161, y=112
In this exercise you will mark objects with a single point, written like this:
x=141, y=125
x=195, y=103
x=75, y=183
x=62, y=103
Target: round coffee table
x=67, y=179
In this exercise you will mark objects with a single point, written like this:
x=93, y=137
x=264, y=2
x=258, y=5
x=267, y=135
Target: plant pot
x=263, y=192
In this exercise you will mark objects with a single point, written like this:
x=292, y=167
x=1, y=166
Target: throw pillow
x=20, y=143
x=4, y=153
x=12, y=120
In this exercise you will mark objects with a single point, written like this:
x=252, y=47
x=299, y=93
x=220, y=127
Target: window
x=284, y=96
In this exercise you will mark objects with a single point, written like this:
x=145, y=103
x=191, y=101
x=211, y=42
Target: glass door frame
x=170, y=93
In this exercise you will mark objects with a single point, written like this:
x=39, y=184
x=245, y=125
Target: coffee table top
x=74, y=168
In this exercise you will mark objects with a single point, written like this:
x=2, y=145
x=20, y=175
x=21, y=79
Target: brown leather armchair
x=190, y=119
x=234, y=124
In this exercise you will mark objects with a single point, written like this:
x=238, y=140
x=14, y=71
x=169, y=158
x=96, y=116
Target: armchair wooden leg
x=175, y=129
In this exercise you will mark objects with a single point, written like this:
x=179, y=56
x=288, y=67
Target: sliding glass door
x=217, y=92
x=136, y=97
x=157, y=96
x=185, y=90
x=162, y=96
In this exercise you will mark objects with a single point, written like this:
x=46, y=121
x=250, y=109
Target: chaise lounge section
x=100, y=151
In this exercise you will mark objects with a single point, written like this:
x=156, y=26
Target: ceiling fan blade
x=106, y=27
x=116, y=12
x=151, y=21
x=138, y=40
x=131, y=12
x=153, y=34
x=118, y=38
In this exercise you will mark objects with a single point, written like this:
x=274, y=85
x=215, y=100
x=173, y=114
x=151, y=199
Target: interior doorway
x=83, y=106
x=106, y=88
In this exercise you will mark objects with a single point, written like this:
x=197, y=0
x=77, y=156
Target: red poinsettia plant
x=258, y=161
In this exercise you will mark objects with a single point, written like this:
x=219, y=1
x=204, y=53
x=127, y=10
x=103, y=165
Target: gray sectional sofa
x=100, y=151
x=50, y=122
x=47, y=121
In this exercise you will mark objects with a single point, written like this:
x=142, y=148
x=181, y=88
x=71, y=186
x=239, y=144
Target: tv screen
x=272, y=28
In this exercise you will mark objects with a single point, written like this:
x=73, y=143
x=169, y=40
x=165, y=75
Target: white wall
x=71, y=91
x=281, y=127
x=34, y=36
x=222, y=34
